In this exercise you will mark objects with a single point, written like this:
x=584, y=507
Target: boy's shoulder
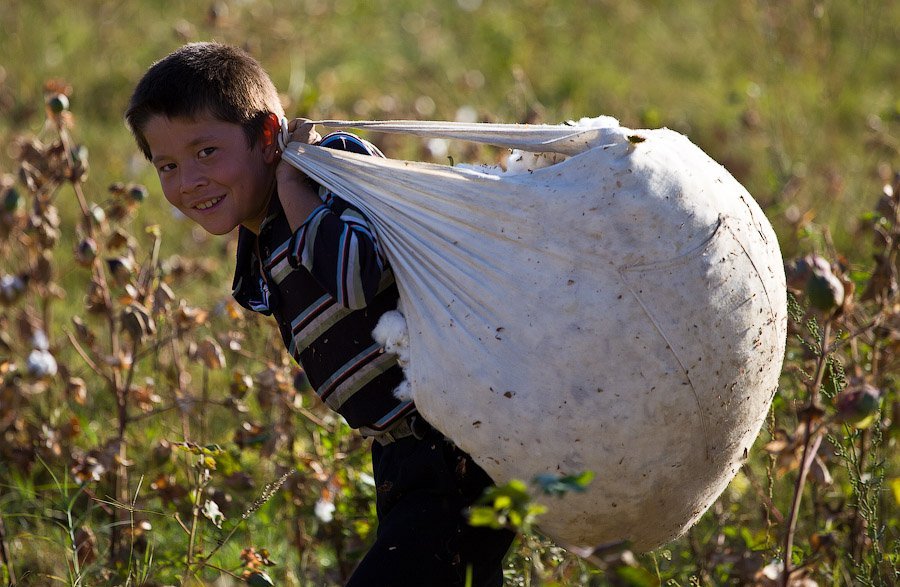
x=345, y=141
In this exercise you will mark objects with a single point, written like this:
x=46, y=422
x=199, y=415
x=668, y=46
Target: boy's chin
x=217, y=230
x=220, y=232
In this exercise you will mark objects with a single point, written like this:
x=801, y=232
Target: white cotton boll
x=438, y=148
x=39, y=341
x=11, y=288
x=41, y=363
x=403, y=392
x=466, y=114
x=392, y=334
x=324, y=510
x=212, y=512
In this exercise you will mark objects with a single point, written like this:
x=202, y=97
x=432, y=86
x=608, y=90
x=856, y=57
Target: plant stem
x=181, y=394
x=4, y=554
x=811, y=442
x=857, y=527
x=195, y=517
x=87, y=359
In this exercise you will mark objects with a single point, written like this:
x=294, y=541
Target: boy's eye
x=167, y=167
x=206, y=152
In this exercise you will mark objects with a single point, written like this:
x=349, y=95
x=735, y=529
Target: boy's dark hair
x=204, y=78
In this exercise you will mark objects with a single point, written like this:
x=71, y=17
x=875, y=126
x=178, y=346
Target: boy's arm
x=333, y=240
x=298, y=195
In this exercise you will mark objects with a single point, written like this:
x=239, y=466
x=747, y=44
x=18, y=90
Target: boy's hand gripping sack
x=621, y=311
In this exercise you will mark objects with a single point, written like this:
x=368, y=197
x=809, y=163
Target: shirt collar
x=248, y=286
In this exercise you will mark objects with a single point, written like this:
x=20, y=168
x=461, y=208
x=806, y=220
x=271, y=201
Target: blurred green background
x=798, y=99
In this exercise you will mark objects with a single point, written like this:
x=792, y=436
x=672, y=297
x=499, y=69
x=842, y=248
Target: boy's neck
x=254, y=224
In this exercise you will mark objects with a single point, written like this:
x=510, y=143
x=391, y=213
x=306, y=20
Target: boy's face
x=209, y=173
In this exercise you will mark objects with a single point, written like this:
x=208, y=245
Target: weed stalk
x=4, y=554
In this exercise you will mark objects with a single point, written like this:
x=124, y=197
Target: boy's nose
x=191, y=179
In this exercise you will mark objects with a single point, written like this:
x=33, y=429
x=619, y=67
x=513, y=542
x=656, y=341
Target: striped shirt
x=326, y=285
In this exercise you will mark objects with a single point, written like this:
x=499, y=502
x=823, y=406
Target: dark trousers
x=423, y=539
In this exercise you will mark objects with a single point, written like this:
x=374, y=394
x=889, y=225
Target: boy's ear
x=271, y=128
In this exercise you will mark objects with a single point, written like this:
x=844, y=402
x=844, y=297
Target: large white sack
x=623, y=312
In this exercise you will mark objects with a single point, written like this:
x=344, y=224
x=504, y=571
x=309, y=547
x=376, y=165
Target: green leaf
x=555, y=485
x=636, y=577
x=483, y=516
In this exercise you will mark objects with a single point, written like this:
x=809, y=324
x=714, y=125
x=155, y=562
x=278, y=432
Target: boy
x=207, y=116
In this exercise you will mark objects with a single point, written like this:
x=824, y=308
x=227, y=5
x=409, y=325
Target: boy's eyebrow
x=192, y=143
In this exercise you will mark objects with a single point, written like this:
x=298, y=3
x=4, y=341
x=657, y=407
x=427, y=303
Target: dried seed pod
x=187, y=317
x=97, y=215
x=137, y=192
x=136, y=322
x=86, y=251
x=162, y=298
x=58, y=103
x=797, y=273
x=12, y=200
x=50, y=215
x=162, y=452
x=121, y=268
x=82, y=332
x=119, y=211
x=858, y=405
x=88, y=468
x=120, y=239
x=241, y=383
x=250, y=434
x=79, y=158
x=42, y=273
x=76, y=390
x=210, y=353
x=823, y=288
x=45, y=227
x=145, y=395
x=130, y=294
x=95, y=302
x=85, y=546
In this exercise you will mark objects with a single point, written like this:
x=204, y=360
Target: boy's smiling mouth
x=207, y=204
